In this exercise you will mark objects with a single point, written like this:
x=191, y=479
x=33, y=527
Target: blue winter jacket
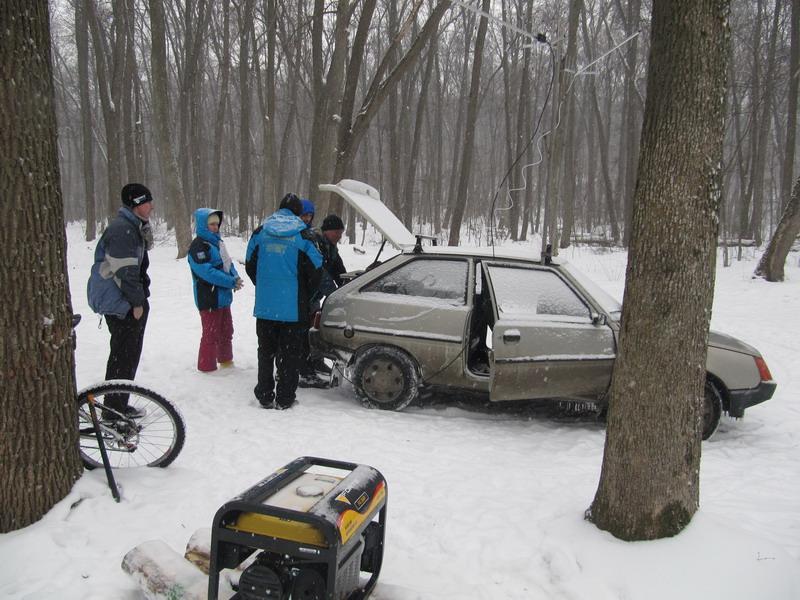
x=284, y=264
x=119, y=279
x=213, y=287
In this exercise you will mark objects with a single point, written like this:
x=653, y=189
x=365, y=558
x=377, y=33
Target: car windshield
x=603, y=298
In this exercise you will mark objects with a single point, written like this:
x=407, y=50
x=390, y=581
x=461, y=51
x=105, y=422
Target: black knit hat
x=134, y=194
x=293, y=203
x=332, y=223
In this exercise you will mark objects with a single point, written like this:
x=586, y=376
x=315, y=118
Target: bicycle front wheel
x=138, y=426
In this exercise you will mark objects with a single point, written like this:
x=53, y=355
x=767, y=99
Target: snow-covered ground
x=481, y=505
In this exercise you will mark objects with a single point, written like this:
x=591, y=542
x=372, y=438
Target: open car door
x=547, y=342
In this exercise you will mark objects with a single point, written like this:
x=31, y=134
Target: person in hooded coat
x=308, y=212
x=214, y=280
x=284, y=264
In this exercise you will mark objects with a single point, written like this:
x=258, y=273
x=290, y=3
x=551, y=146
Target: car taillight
x=763, y=369
x=315, y=320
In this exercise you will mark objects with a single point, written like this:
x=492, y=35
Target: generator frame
x=231, y=547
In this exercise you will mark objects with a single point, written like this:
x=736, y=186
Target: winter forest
x=235, y=102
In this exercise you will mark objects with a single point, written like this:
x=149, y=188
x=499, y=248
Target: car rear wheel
x=712, y=410
x=385, y=378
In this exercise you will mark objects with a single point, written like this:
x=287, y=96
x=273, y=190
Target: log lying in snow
x=163, y=574
x=198, y=549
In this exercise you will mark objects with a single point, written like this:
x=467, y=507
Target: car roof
x=484, y=252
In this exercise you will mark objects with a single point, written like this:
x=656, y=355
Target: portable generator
x=313, y=529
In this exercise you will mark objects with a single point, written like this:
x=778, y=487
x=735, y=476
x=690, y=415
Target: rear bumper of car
x=742, y=399
x=320, y=347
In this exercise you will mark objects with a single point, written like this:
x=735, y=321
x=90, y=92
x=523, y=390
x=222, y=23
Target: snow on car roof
x=526, y=254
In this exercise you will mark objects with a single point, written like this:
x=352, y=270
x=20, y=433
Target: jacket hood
x=201, y=216
x=308, y=206
x=128, y=214
x=284, y=223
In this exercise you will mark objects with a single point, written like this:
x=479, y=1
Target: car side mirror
x=598, y=319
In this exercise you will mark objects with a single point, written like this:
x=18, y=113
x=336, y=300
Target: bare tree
x=791, y=103
x=770, y=267
x=458, y=209
x=224, y=60
x=176, y=202
x=39, y=458
x=659, y=374
x=109, y=57
x=82, y=46
x=245, y=16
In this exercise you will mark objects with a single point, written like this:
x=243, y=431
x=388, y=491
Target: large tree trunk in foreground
x=649, y=486
x=770, y=267
x=39, y=459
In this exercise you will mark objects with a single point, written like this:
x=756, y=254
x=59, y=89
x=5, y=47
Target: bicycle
x=153, y=440
x=152, y=435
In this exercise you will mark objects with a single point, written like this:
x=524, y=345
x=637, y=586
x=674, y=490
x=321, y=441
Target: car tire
x=385, y=377
x=712, y=409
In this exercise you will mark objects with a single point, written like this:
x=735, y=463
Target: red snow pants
x=216, y=342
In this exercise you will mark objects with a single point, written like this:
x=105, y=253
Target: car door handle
x=511, y=336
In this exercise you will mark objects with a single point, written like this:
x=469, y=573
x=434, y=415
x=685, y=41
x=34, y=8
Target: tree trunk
x=219, y=119
x=631, y=125
x=762, y=133
x=271, y=192
x=649, y=484
x=521, y=185
x=327, y=104
x=39, y=458
x=82, y=45
x=469, y=135
x=602, y=136
x=409, y=193
x=787, y=170
x=245, y=147
x=569, y=175
x=108, y=68
x=161, y=124
x=770, y=267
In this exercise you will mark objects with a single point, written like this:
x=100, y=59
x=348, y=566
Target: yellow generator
x=314, y=529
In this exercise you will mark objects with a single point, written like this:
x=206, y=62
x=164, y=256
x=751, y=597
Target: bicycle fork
x=102, y=446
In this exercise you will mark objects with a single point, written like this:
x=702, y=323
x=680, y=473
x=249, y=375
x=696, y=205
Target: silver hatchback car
x=493, y=320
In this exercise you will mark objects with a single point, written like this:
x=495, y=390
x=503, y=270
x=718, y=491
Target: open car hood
x=367, y=201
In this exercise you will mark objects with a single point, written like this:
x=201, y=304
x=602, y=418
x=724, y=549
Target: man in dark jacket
x=119, y=286
x=327, y=239
x=284, y=265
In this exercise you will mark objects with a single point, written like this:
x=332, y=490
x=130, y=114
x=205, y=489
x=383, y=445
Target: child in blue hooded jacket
x=215, y=279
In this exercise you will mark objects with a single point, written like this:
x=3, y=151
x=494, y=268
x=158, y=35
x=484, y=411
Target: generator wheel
x=712, y=409
x=385, y=377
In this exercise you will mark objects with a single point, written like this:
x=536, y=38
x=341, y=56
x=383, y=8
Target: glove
x=238, y=284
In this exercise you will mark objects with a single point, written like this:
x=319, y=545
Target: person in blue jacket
x=307, y=215
x=284, y=264
x=214, y=279
x=119, y=286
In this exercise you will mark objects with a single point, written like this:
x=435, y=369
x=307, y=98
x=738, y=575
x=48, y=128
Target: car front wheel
x=385, y=378
x=712, y=410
